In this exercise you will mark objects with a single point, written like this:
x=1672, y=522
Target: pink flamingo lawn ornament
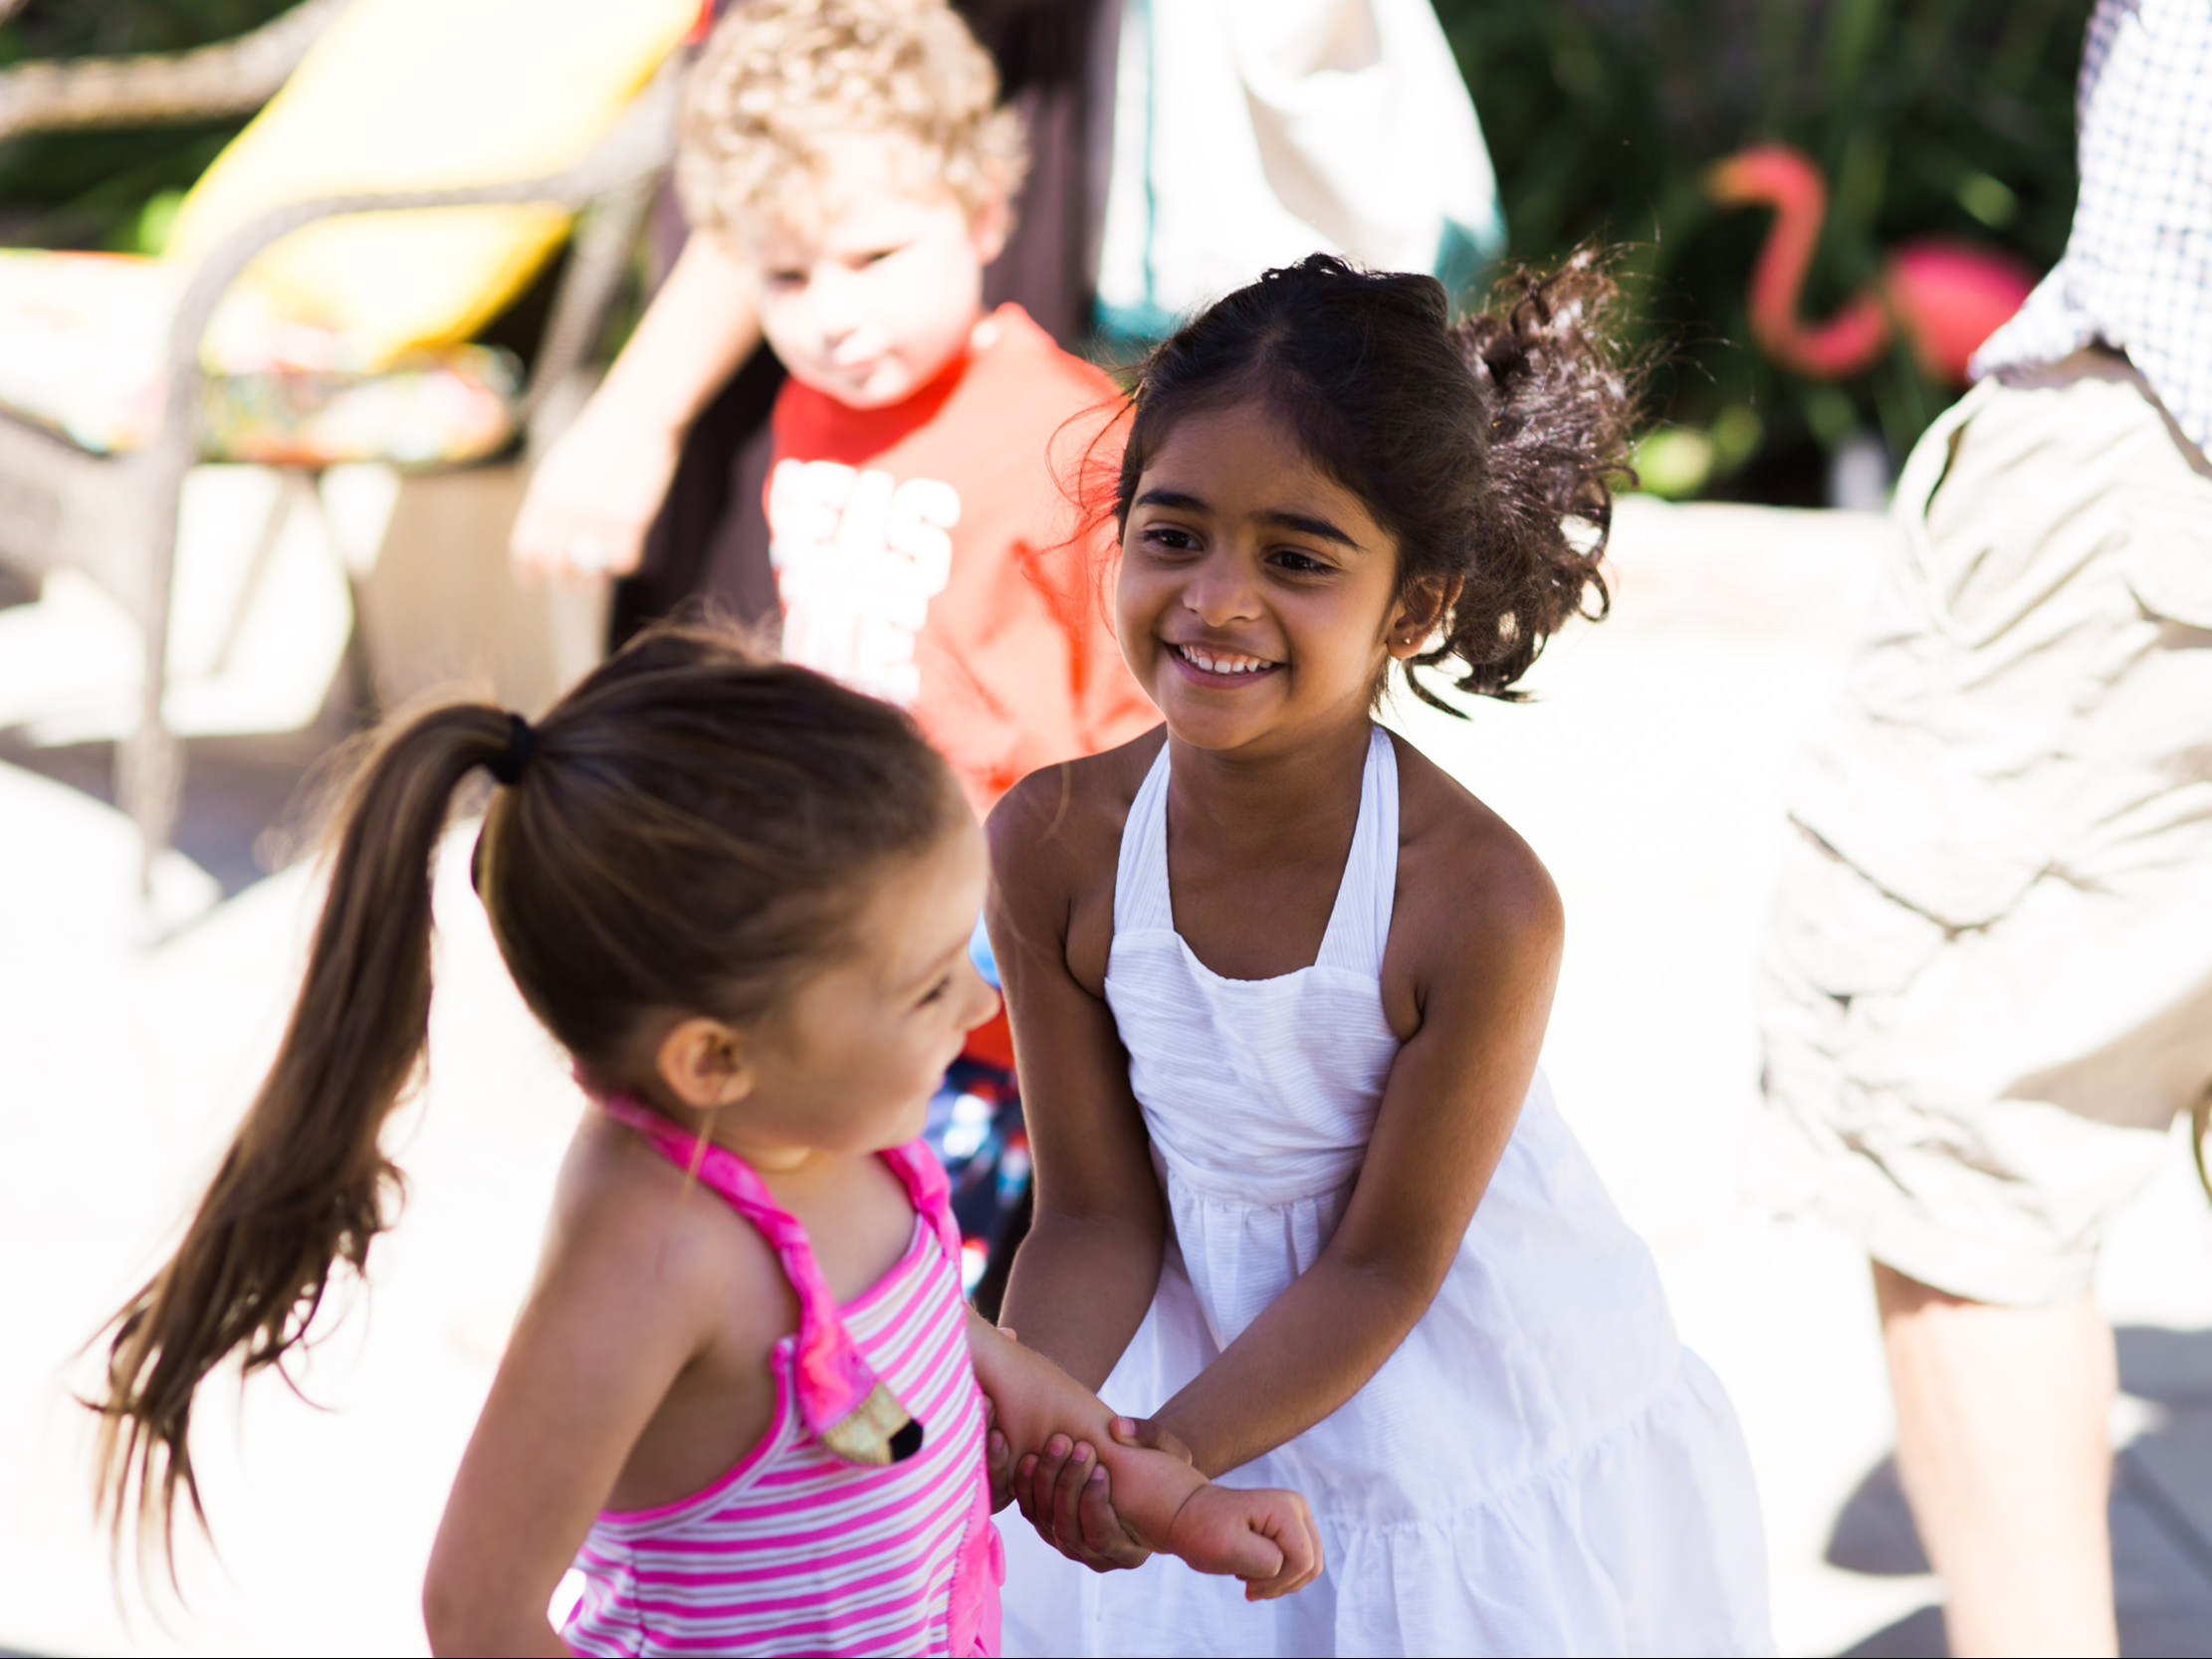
x=1947, y=296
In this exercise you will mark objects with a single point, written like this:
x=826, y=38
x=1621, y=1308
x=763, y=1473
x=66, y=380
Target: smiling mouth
x=1220, y=665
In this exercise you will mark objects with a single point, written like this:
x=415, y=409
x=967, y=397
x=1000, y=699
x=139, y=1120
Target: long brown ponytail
x=304, y=1183
x=688, y=826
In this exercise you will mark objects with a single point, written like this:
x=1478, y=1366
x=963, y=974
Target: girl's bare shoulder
x=1058, y=831
x=629, y=1222
x=647, y=1341
x=1468, y=883
x=1055, y=843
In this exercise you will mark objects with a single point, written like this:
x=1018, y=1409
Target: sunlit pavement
x=1648, y=773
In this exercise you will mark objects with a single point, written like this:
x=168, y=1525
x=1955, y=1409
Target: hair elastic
x=520, y=739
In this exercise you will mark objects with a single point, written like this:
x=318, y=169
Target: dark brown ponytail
x=303, y=1185
x=1487, y=446
x=685, y=828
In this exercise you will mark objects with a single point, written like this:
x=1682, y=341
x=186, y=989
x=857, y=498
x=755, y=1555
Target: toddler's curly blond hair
x=779, y=81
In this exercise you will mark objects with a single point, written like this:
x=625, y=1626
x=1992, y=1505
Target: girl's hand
x=997, y=1459
x=1265, y=1538
x=1068, y=1497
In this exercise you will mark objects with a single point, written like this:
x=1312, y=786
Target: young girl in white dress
x=1278, y=986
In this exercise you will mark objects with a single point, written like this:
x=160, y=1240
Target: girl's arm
x=1265, y=1538
x=590, y=1360
x=1482, y=948
x=1486, y=962
x=1087, y=1271
x=594, y=495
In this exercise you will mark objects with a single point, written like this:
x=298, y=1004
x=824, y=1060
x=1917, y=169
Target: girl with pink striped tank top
x=744, y=1400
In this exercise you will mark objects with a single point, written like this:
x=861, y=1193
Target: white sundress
x=1540, y=1468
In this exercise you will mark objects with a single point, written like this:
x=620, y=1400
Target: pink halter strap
x=840, y=1399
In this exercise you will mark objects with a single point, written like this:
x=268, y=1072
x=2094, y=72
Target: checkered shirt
x=2137, y=267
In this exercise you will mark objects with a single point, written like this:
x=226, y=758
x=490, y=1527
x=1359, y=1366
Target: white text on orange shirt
x=859, y=557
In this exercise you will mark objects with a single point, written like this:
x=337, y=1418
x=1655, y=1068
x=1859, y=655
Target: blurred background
x=1947, y=118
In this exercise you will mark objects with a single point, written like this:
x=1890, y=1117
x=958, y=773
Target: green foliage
x=1951, y=117
x=102, y=189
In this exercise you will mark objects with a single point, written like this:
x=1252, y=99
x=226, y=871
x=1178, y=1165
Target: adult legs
x=1987, y=986
x=2002, y=1445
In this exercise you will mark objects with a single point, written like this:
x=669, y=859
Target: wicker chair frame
x=114, y=517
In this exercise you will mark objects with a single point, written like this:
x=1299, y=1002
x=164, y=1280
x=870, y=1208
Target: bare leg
x=2002, y=1444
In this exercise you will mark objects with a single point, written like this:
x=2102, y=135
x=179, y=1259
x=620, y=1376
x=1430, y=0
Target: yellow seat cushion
x=412, y=94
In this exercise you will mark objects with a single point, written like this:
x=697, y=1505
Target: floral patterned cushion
x=82, y=342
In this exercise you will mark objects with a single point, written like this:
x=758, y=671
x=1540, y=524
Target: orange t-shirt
x=929, y=553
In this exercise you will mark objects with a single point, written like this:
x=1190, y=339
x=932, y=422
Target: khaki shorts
x=1987, y=983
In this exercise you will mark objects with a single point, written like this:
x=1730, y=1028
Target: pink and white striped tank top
x=798, y=1548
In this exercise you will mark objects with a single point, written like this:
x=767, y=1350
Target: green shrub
x=1944, y=117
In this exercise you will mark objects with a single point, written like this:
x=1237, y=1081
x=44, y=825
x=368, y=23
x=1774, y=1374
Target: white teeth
x=1221, y=665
